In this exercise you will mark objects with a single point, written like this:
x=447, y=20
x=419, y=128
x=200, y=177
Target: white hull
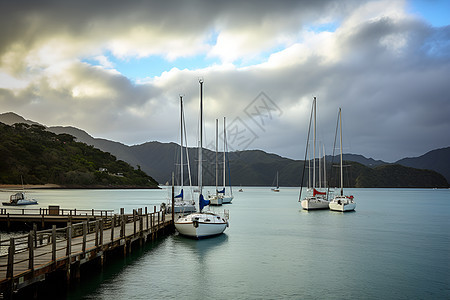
x=312, y=203
x=227, y=199
x=201, y=225
x=215, y=200
x=342, y=204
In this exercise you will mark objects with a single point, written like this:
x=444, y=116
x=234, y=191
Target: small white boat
x=215, y=199
x=277, y=188
x=202, y=224
x=19, y=199
x=341, y=202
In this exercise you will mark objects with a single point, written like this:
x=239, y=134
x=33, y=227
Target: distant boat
x=277, y=186
x=318, y=199
x=241, y=190
x=202, y=224
x=182, y=205
x=341, y=202
x=19, y=198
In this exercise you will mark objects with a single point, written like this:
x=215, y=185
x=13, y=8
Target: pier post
x=11, y=250
x=30, y=251
x=146, y=216
x=134, y=222
x=83, y=249
x=68, y=252
x=8, y=222
x=113, y=224
x=96, y=233
x=35, y=234
x=69, y=242
x=101, y=233
x=54, y=243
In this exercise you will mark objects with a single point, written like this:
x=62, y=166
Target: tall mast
x=217, y=149
x=224, y=149
x=200, y=154
x=314, y=150
x=342, y=175
x=181, y=143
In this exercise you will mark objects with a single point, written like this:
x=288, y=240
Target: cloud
x=385, y=68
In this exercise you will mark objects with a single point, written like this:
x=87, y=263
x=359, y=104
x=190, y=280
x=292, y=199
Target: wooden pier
x=31, y=258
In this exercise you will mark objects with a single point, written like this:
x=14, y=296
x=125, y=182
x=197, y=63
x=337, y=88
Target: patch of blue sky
x=323, y=27
x=436, y=12
x=138, y=68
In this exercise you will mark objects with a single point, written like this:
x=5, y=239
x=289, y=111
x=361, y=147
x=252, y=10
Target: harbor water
x=396, y=245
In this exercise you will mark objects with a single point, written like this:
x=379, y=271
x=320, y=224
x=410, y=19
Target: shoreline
x=57, y=186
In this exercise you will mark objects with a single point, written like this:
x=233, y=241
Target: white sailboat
x=226, y=198
x=342, y=202
x=315, y=199
x=277, y=186
x=217, y=198
x=181, y=204
x=201, y=224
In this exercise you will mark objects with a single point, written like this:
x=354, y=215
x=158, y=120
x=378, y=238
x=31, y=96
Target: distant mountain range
x=256, y=167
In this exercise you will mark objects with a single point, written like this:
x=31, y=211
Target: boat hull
x=342, y=204
x=20, y=202
x=215, y=200
x=227, y=199
x=201, y=225
x=314, y=204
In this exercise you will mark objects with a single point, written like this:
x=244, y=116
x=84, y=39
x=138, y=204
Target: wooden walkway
x=31, y=257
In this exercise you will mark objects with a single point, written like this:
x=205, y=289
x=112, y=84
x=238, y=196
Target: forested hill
x=41, y=157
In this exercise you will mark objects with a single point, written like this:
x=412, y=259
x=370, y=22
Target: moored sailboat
x=201, y=224
x=318, y=199
x=277, y=186
x=227, y=198
x=342, y=202
x=181, y=204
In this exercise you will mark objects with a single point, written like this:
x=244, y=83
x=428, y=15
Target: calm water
x=395, y=245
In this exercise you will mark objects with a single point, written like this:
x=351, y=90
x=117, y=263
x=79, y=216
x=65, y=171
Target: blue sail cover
x=222, y=191
x=202, y=202
x=180, y=195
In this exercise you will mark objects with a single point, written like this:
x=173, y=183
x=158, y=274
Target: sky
x=116, y=69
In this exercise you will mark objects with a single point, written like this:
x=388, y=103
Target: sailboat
x=318, y=199
x=342, y=202
x=181, y=205
x=230, y=197
x=216, y=199
x=201, y=224
x=20, y=198
x=277, y=187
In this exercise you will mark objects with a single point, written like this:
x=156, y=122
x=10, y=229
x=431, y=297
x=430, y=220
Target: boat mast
x=181, y=143
x=224, y=149
x=342, y=175
x=314, y=150
x=200, y=154
x=217, y=164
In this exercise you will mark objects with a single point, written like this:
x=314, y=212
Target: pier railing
x=38, y=252
x=57, y=211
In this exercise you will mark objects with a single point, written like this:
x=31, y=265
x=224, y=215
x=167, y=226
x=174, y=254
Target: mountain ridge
x=158, y=159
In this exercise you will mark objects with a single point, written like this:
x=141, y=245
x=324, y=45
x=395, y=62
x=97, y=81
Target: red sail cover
x=316, y=192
